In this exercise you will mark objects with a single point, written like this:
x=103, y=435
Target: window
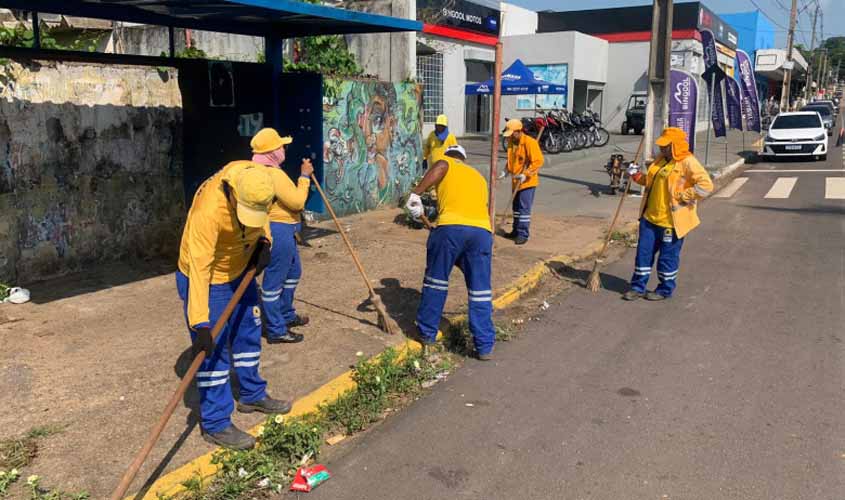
x=430, y=72
x=797, y=121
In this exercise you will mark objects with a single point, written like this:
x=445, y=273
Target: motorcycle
x=601, y=134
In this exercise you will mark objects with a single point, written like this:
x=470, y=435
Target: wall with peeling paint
x=90, y=166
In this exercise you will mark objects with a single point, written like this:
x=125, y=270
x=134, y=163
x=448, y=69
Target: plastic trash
x=308, y=478
x=17, y=295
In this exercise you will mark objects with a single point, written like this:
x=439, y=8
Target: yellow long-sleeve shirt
x=290, y=197
x=433, y=148
x=524, y=156
x=215, y=246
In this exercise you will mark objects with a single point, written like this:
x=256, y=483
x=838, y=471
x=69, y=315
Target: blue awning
x=285, y=18
x=518, y=79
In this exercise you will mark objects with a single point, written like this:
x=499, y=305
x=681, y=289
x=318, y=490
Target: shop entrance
x=477, y=107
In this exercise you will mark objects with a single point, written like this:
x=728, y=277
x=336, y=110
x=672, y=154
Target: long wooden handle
x=136, y=464
x=343, y=235
x=426, y=222
x=619, y=207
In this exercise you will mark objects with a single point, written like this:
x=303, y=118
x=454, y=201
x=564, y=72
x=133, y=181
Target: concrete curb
x=171, y=483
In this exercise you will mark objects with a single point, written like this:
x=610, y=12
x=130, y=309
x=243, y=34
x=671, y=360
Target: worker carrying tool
x=437, y=142
x=226, y=233
x=285, y=269
x=674, y=184
x=524, y=162
x=463, y=237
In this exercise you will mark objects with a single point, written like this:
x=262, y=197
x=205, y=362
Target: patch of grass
x=39, y=492
x=626, y=238
x=459, y=338
x=17, y=453
x=4, y=291
x=7, y=478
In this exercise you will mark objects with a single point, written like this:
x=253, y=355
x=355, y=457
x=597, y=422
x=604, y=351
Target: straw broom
x=594, y=281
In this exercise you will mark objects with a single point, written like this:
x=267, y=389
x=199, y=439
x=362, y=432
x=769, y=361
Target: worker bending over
x=285, y=269
x=524, y=161
x=674, y=184
x=225, y=234
x=462, y=238
x=437, y=142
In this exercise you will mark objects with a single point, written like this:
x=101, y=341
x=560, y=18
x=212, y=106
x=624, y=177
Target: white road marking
x=731, y=188
x=782, y=188
x=834, y=188
x=774, y=171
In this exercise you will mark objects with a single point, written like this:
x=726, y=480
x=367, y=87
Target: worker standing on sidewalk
x=674, y=184
x=437, y=142
x=524, y=162
x=463, y=237
x=285, y=269
x=226, y=233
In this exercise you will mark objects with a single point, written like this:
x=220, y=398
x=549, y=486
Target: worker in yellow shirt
x=285, y=269
x=226, y=233
x=437, y=142
x=674, y=184
x=462, y=238
x=524, y=162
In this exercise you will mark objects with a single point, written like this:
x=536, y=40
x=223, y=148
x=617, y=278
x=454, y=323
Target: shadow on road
x=579, y=277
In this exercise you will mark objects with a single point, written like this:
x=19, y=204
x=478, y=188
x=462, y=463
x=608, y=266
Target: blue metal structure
x=285, y=18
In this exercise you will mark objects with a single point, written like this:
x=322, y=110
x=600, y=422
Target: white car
x=800, y=133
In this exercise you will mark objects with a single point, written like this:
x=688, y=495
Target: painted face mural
x=372, y=144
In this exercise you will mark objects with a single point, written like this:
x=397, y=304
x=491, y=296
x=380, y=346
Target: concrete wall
x=517, y=20
x=91, y=166
x=386, y=56
x=154, y=40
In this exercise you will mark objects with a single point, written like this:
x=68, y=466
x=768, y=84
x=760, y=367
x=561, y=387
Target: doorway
x=477, y=107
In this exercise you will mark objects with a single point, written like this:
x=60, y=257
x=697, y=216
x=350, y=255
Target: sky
x=776, y=10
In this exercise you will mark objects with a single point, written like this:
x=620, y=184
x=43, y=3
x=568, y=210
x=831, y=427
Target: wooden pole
x=494, y=132
x=787, y=73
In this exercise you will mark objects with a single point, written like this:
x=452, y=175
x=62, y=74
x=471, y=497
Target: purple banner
x=713, y=76
x=732, y=98
x=683, y=103
x=748, y=84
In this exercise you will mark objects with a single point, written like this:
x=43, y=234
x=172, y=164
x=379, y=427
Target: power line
x=771, y=18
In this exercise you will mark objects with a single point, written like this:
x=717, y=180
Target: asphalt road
x=731, y=390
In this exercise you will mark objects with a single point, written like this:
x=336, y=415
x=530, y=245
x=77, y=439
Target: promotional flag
x=748, y=87
x=713, y=77
x=683, y=103
x=732, y=98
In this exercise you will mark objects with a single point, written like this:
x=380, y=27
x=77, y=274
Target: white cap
x=458, y=149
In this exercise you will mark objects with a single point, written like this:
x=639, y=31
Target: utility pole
x=819, y=70
x=787, y=66
x=826, y=70
x=659, y=67
x=808, y=91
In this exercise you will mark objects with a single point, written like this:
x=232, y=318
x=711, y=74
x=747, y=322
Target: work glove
x=260, y=258
x=306, y=169
x=203, y=342
x=687, y=196
x=414, y=205
x=503, y=174
x=633, y=169
x=521, y=178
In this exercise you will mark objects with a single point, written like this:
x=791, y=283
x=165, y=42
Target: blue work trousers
x=654, y=239
x=522, y=203
x=281, y=278
x=469, y=248
x=238, y=346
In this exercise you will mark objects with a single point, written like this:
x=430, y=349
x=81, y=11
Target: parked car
x=799, y=133
x=824, y=111
x=826, y=102
x=635, y=114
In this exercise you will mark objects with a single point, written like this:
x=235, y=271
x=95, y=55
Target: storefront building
x=756, y=32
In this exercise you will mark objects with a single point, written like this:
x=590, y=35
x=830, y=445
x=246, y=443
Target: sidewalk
x=103, y=363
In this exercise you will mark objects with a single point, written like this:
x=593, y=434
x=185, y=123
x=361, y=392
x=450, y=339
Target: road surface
x=731, y=390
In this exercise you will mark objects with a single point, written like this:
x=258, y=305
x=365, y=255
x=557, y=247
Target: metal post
x=787, y=73
x=36, y=31
x=494, y=133
x=709, y=119
x=171, y=34
x=809, y=90
x=657, y=109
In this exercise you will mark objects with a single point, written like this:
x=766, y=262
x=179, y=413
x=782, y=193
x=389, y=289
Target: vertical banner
x=732, y=98
x=748, y=84
x=713, y=76
x=683, y=103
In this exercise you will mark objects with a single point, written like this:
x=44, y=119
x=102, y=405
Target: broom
x=385, y=322
x=594, y=281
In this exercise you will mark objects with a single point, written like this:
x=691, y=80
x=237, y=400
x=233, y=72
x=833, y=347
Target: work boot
x=654, y=296
x=485, y=357
x=633, y=295
x=511, y=235
x=231, y=437
x=299, y=320
x=287, y=338
x=521, y=240
x=267, y=405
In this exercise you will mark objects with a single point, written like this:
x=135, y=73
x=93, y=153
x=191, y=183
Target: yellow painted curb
x=171, y=483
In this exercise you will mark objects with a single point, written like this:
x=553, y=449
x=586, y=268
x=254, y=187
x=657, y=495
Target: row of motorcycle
x=563, y=131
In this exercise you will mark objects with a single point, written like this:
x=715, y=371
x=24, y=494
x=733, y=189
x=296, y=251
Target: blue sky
x=776, y=10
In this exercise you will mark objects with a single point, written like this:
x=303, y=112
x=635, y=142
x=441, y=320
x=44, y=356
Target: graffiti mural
x=372, y=148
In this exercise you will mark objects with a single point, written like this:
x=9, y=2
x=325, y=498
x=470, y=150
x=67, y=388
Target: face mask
x=442, y=137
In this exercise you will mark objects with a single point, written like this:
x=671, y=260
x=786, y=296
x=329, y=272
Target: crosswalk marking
x=731, y=188
x=834, y=188
x=782, y=188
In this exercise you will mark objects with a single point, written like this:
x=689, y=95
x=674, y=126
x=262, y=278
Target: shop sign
x=459, y=14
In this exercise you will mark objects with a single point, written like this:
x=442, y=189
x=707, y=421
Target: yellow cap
x=442, y=120
x=512, y=126
x=670, y=135
x=253, y=188
x=267, y=140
